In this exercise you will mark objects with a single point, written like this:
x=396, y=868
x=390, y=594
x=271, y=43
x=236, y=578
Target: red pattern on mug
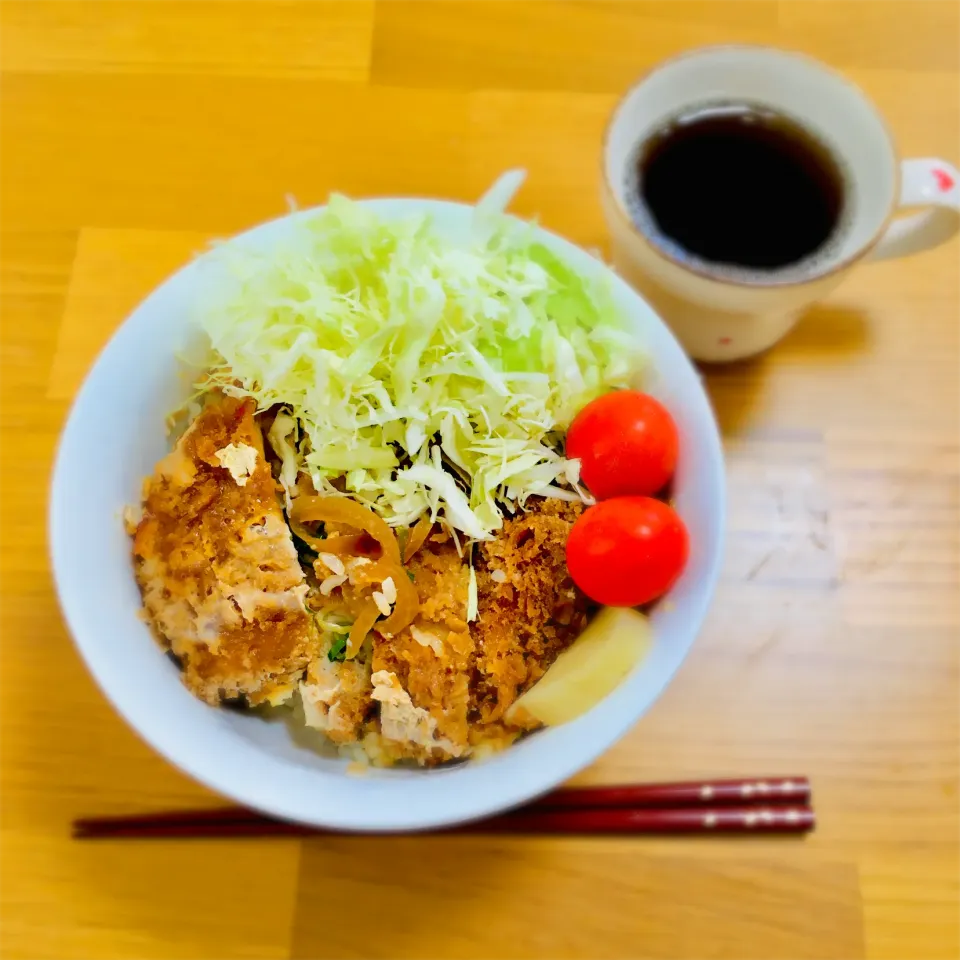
x=944, y=181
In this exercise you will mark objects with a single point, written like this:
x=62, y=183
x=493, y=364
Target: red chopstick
x=769, y=790
x=715, y=806
x=615, y=820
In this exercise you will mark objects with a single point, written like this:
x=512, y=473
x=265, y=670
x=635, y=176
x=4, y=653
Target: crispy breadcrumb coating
x=216, y=564
x=433, y=658
x=529, y=609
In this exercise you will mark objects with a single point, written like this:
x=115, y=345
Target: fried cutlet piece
x=528, y=607
x=422, y=675
x=336, y=696
x=407, y=730
x=216, y=564
x=336, y=693
x=419, y=693
x=442, y=578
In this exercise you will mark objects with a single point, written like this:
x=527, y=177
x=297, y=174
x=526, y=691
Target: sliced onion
x=361, y=627
x=347, y=545
x=407, y=605
x=352, y=545
x=315, y=543
x=349, y=512
x=416, y=538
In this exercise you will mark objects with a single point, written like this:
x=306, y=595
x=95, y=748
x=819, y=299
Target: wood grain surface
x=134, y=131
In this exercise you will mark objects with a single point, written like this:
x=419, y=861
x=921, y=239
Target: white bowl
x=114, y=437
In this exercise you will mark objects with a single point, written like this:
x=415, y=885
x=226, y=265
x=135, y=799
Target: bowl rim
x=439, y=797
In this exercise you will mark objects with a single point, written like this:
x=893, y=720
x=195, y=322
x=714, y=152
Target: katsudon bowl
x=115, y=435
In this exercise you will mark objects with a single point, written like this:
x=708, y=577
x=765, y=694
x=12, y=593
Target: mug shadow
x=824, y=334
x=736, y=392
x=829, y=331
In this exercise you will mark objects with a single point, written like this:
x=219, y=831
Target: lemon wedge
x=614, y=642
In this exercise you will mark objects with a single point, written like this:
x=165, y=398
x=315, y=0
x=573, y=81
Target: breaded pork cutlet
x=413, y=685
x=421, y=676
x=442, y=686
x=529, y=609
x=217, y=566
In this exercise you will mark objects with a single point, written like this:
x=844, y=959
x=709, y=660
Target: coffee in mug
x=738, y=186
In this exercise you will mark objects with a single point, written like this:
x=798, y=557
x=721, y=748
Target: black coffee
x=740, y=184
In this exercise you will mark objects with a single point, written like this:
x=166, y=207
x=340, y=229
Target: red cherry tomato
x=627, y=445
x=627, y=551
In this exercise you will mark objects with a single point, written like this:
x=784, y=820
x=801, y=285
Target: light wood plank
x=597, y=45
x=115, y=270
x=428, y=894
x=325, y=39
x=185, y=152
x=852, y=33
x=148, y=900
x=910, y=905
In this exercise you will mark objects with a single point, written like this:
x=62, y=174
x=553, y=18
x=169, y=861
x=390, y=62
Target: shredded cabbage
x=421, y=370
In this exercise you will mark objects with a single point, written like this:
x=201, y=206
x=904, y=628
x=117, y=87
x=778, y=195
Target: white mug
x=717, y=314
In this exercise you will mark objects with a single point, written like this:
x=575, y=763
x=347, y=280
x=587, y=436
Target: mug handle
x=930, y=183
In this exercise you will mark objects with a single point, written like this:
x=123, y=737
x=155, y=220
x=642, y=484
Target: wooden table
x=132, y=131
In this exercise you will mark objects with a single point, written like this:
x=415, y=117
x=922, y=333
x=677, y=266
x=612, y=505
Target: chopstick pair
x=777, y=805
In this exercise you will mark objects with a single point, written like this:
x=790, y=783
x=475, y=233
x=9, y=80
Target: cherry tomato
x=627, y=445
x=627, y=551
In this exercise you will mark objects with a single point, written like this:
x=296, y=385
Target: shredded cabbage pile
x=421, y=370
